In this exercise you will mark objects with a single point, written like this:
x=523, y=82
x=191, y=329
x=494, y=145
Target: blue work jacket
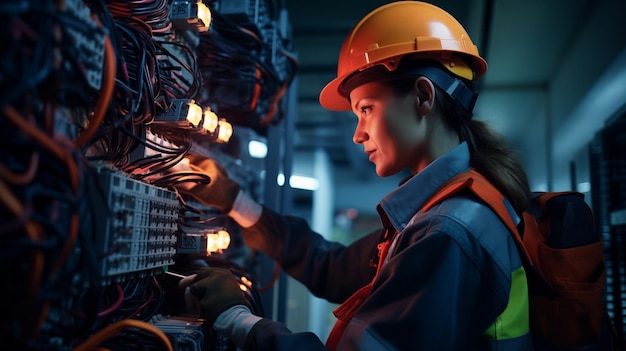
x=449, y=277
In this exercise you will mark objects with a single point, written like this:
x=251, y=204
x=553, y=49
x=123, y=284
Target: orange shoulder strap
x=483, y=189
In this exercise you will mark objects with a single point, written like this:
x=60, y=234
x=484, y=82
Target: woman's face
x=388, y=127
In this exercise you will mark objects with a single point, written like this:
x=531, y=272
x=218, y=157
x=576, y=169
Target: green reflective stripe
x=513, y=322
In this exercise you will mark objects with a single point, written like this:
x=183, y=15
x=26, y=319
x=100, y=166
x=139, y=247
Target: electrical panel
x=101, y=102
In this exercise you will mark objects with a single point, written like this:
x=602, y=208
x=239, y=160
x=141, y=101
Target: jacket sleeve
x=328, y=269
x=267, y=335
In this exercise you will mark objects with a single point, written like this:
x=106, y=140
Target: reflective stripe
x=513, y=322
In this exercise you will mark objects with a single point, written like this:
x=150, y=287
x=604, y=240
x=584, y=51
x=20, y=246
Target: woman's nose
x=359, y=135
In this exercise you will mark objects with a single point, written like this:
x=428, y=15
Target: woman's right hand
x=220, y=192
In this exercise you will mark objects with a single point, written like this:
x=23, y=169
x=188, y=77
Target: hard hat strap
x=455, y=87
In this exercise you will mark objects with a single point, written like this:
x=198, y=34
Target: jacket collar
x=400, y=205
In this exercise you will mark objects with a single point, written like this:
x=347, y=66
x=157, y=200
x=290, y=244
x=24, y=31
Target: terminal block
x=137, y=229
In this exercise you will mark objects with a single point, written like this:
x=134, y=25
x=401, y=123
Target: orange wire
x=33, y=132
x=111, y=330
x=105, y=95
x=33, y=231
x=58, y=151
x=74, y=223
x=41, y=317
x=69, y=243
x=21, y=178
x=11, y=202
x=69, y=161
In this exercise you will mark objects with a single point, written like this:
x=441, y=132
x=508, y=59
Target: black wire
x=166, y=157
x=192, y=88
x=26, y=62
x=119, y=136
x=231, y=65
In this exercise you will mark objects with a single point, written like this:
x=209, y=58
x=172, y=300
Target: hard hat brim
x=331, y=99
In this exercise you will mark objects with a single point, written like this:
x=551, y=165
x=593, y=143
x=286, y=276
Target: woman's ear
x=424, y=95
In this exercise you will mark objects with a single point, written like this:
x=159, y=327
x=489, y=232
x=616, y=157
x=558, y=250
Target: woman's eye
x=365, y=109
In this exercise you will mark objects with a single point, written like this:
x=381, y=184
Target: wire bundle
x=137, y=88
x=139, y=298
x=178, y=75
x=56, y=82
x=240, y=79
x=156, y=67
x=45, y=70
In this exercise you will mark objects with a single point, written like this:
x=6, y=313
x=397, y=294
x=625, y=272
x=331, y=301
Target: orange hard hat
x=398, y=29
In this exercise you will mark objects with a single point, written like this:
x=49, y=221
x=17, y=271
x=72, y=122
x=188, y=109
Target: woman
x=449, y=278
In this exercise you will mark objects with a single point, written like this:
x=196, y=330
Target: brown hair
x=489, y=152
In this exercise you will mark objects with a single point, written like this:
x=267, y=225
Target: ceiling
x=523, y=42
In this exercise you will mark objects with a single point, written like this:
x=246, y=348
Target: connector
x=218, y=129
x=210, y=120
x=212, y=240
x=224, y=131
x=216, y=242
x=190, y=15
x=183, y=112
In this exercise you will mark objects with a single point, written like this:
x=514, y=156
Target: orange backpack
x=562, y=253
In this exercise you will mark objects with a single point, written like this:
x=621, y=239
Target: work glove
x=220, y=192
x=215, y=290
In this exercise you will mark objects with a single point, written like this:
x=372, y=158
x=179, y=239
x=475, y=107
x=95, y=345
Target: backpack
x=562, y=253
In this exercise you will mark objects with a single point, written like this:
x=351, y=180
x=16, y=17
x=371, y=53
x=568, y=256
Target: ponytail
x=491, y=157
x=489, y=152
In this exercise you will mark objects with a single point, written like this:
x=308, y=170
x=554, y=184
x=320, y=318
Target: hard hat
x=397, y=29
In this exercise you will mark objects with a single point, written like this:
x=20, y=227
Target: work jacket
x=452, y=278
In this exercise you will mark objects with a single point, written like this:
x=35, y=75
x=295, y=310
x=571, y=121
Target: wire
x=51, y=144
x=21, y=178
x=138, y=77
x=145, y=293
x=33, y=68
x=246, y=77
x=69, y=243
x=115, y=328
x=37, y=258
x=147, y=301
x=35, y=133
x=116, y=305
x=105, y=94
